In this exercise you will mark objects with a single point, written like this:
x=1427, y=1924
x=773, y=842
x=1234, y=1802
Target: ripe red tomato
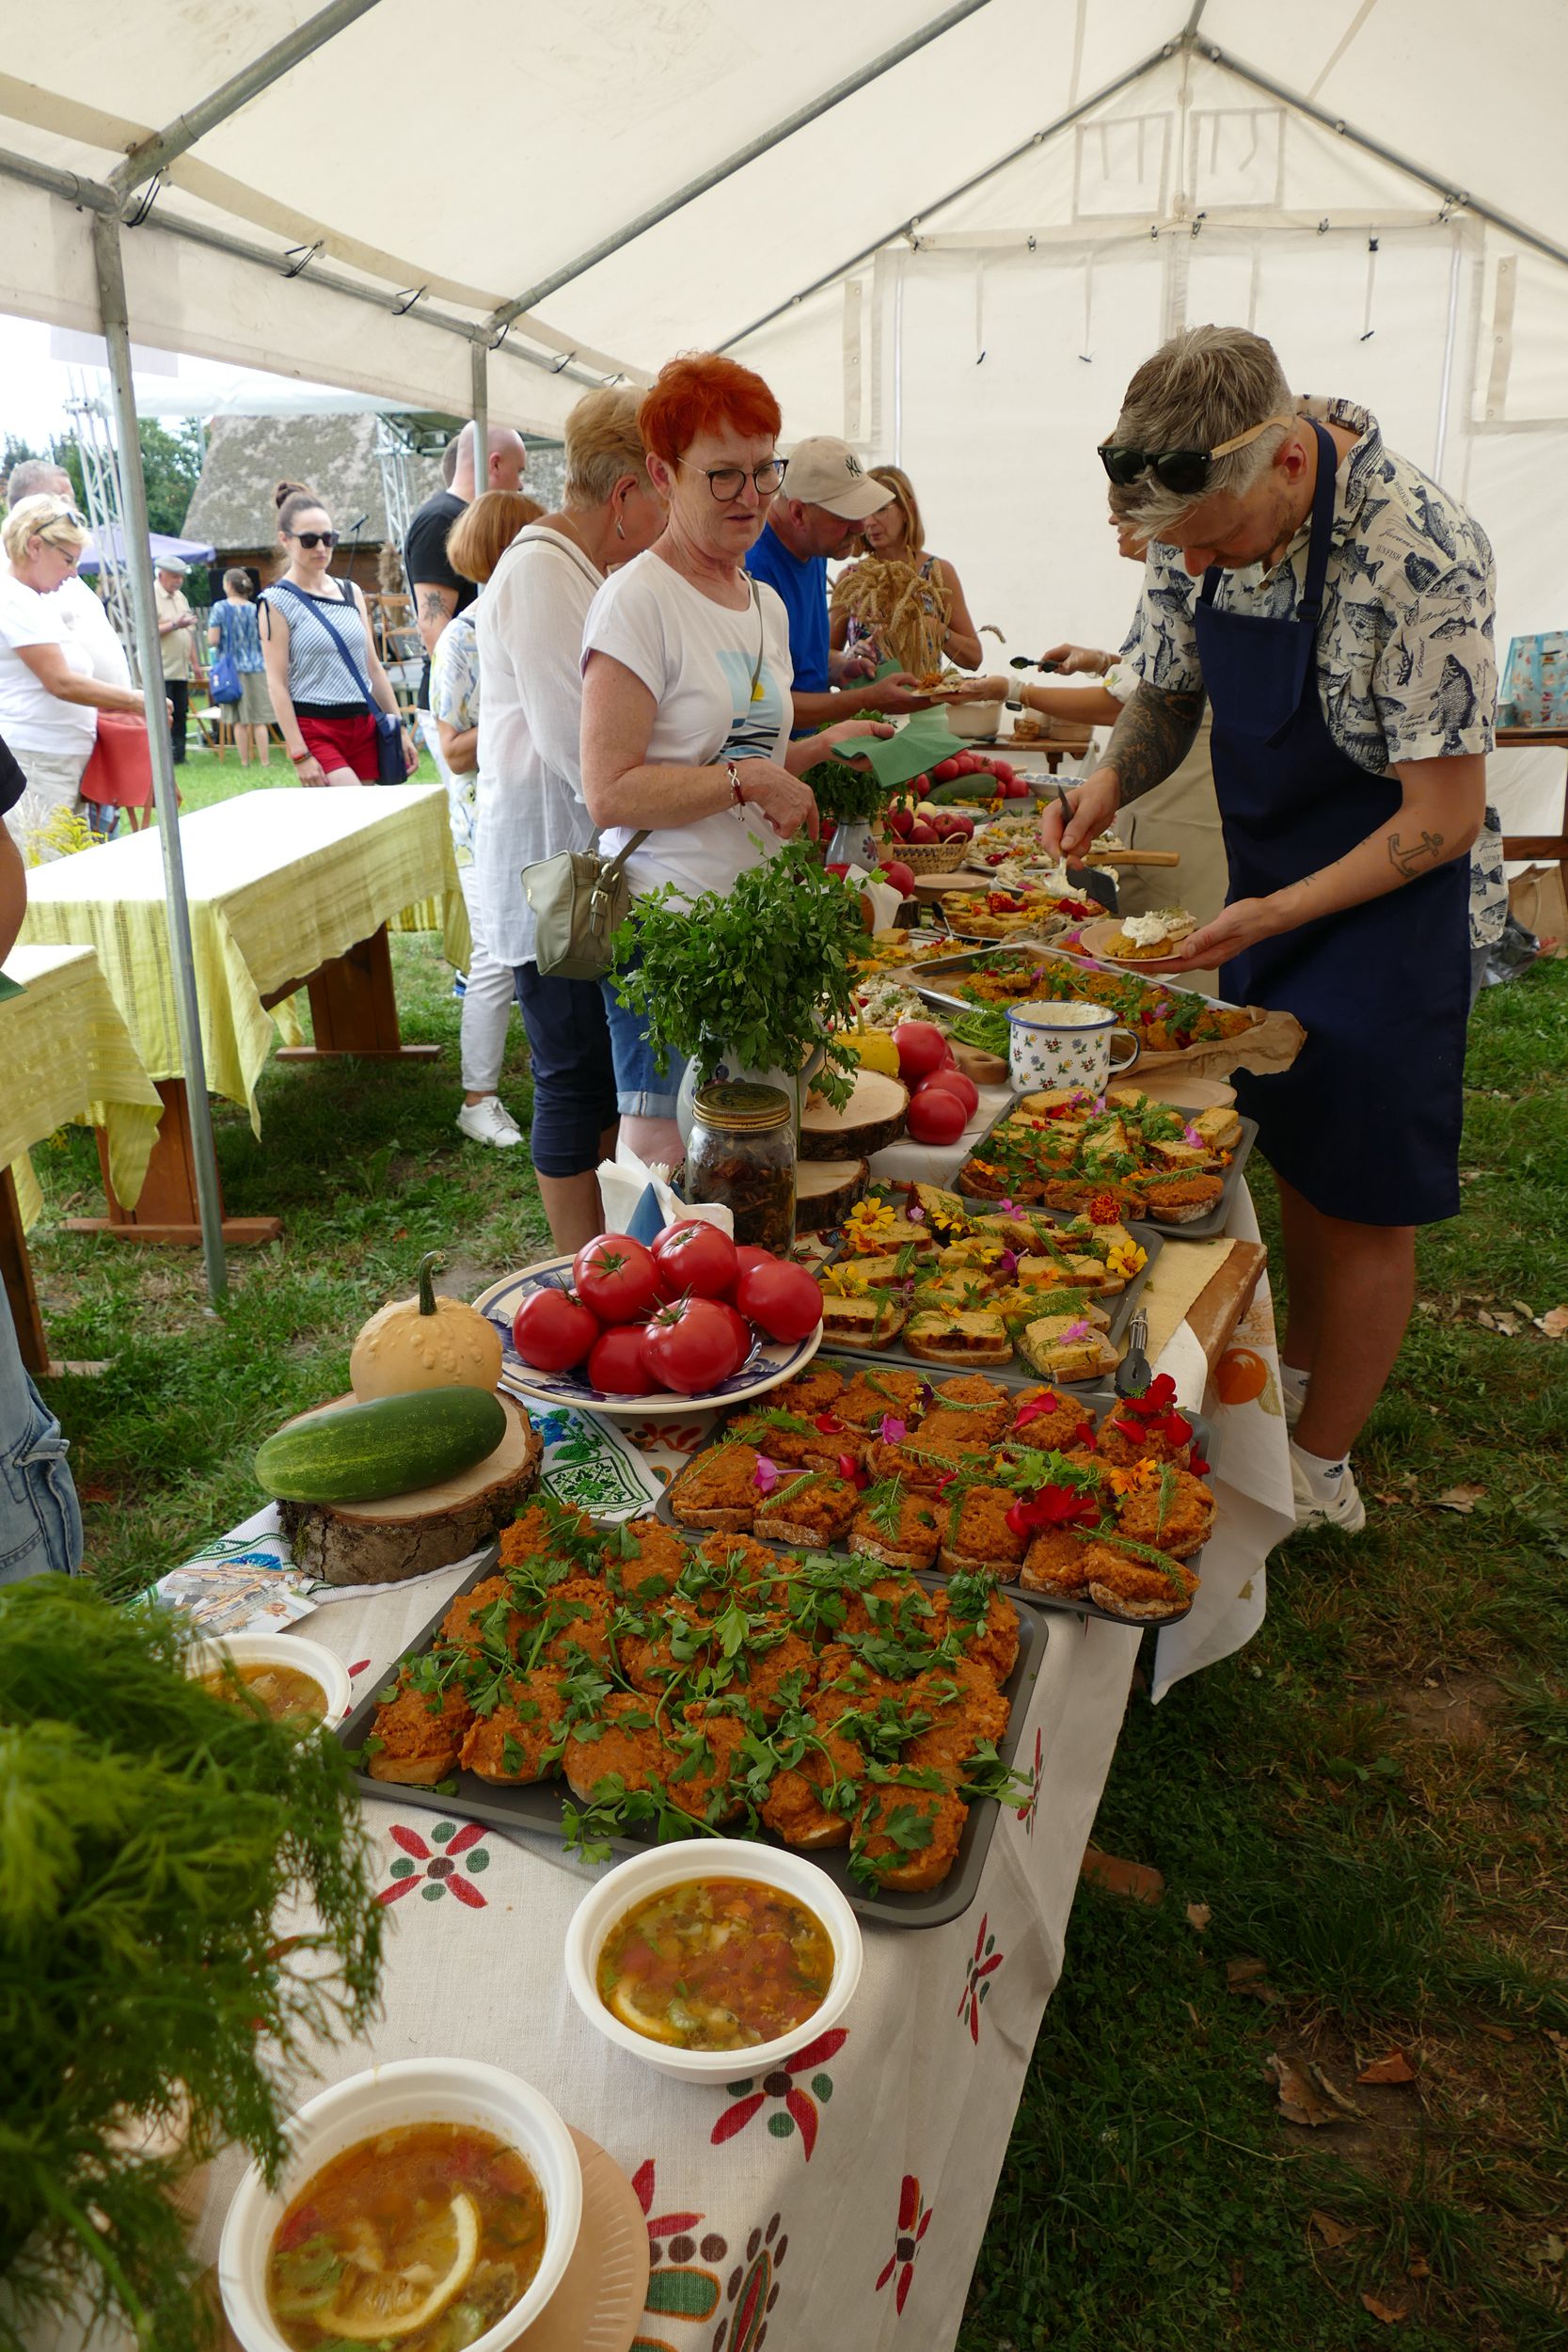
x=616, y=1278
x=782, y=1297
x=690, y=1347
x=957, y=1083
x=691, y=1255
x=747, y=1255
x=920, y=784
x=920, y=1048
x=945, y=770
x=936, y=1115
x=552, y=1331
x=740, y=1331
x=900, y=876
x=615, y=1365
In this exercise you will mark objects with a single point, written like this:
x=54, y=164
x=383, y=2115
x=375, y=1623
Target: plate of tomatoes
x=633, y=1329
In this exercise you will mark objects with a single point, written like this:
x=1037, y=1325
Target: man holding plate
x=1336, y=607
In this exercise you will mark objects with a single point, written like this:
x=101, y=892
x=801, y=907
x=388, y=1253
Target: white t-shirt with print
x=31, y=718
x=697, y=660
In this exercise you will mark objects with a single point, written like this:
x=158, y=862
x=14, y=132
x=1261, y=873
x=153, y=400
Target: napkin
x=919, y=743
x=638, y=1199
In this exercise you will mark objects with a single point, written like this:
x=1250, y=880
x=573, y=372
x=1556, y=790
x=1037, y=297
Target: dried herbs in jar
x=741, y=1152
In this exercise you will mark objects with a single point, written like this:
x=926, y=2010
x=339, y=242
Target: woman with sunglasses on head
x=1342, y=635
x=686, y=699
x=320, y=654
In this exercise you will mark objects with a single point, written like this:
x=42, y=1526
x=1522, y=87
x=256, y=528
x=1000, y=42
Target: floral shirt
x=454, y=697
x=1407, y=666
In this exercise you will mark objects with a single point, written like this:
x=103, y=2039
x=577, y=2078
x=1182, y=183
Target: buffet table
x=67, y=1055
x=288, y=890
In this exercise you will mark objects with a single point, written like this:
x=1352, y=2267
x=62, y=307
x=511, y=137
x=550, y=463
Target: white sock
x=1322, y=1476
x=1294, y=1383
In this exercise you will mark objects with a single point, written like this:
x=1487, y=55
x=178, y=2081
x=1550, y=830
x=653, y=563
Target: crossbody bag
x=392, y=767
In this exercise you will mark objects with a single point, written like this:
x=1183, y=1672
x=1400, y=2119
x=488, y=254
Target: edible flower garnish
x=1035, y=1408
x=1104, y=1208
x=827, y=1425
x=1190, y=1134
x=1006, y=1207
x=1053, y=1506
x=917, y=1215
x=765, y=1475
x=893, y=1429
x=856, y=1472
x=1008, y=1261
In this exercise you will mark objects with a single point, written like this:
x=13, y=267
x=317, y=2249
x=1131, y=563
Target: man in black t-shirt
x=438, y=593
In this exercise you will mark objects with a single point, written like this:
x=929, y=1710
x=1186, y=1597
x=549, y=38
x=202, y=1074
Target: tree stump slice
x=872, y=1119
x=406, y=1535
x=826, y=1191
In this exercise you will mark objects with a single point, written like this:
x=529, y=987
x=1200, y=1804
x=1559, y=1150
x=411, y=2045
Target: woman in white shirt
x=529, y=624
x=685, y=706
x=48, y=697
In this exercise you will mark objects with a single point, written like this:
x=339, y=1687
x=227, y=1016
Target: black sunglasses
x=1185, y=471
x=313, y=538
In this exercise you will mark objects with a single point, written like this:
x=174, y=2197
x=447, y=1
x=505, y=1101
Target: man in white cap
x=177, y=634
x=827, y=495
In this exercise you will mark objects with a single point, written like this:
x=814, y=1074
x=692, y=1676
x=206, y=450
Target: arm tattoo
x=433, y=605
x=1427, y=850
x=1152, y=736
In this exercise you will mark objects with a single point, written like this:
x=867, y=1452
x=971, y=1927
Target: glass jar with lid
x=741, y=1152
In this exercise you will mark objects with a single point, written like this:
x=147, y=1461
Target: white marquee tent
x=949, y=236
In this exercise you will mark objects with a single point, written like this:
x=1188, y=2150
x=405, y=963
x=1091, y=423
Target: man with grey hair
x=1342, y=634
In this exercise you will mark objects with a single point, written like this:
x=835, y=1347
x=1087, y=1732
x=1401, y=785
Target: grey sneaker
x=488, y=1120
x=1342, y=1507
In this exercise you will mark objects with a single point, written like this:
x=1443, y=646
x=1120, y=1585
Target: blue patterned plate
x=770, y=1362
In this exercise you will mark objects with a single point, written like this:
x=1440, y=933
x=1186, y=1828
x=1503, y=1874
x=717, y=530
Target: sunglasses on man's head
x=1185, y=471
x=314, y=538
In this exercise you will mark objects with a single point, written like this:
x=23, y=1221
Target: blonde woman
x=900, y=603
x=49, y=697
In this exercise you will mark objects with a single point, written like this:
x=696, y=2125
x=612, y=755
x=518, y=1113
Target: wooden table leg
x=167, y=1209
x=354, y=1008
x=17, y=1273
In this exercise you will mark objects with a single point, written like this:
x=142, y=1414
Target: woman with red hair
x=686, y=705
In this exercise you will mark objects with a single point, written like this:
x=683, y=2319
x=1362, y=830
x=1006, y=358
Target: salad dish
x=1164, y=1018
x=1119, y=1155
x=1022, y=912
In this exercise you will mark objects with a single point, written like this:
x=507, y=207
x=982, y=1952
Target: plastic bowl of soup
x=719, y=1984
x=418, y=2202
x=293, y=1678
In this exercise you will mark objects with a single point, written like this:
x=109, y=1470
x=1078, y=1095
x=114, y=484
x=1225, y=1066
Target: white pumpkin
x=425, y=1342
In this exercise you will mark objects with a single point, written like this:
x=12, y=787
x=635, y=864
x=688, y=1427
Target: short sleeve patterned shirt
x=454, y=697
x=1406, y=665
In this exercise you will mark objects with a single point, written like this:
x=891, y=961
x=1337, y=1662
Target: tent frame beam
x=760, y=146
x=109, y=270
x=155, y=154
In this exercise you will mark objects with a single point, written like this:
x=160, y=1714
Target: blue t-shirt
x=801, y=580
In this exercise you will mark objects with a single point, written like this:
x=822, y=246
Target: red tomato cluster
x=679, y=1317
x=942, y=1100
x=1009, y=784
x=920, y=821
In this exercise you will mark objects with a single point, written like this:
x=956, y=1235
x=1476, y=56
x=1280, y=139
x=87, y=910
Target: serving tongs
x=1135, y=1373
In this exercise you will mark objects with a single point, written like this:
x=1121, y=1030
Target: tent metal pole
x=138, y=562
x=907, y=228
x=157, y=153
x=738, y=162
x=481, y=406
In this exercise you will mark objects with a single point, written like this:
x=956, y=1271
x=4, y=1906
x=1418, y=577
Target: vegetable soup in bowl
x=702, y=1955
x=293, y=1679
x=431, y=2205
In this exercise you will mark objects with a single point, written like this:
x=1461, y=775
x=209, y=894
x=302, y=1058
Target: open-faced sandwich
x=1120, y=1155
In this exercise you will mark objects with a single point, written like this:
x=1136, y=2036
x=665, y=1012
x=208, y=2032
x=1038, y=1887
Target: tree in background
x=171, y=465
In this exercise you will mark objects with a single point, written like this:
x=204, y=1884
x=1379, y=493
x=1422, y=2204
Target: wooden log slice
x=826, y=1191
x=872, y=1119
x=402, y=1536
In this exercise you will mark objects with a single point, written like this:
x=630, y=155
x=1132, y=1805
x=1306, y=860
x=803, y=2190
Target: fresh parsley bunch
x=846, y=795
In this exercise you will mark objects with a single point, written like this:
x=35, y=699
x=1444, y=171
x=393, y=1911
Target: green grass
x=1403, y=1887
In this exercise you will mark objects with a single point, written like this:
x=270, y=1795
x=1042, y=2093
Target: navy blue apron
x=1366, y=1124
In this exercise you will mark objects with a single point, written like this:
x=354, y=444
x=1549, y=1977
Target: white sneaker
x=1341, y=1507
x=1293, y=1396
x=488, y=1120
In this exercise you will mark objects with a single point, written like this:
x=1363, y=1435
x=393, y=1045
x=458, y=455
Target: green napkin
x=915, y=748
x=8, y=987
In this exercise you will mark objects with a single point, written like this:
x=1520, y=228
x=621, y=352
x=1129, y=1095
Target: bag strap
x=762, y=637
x=349, y=662
x=609, y=875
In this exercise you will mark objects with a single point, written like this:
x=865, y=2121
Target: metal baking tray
x=926, y=978
x=537, y=1810
x=1097, y=1401
x=1204, y=1228
x=1121, y=1307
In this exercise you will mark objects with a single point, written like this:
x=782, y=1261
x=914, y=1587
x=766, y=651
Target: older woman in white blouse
x=529, y=624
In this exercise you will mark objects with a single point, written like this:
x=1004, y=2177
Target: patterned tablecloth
x=66, y=1054
x=278, y=881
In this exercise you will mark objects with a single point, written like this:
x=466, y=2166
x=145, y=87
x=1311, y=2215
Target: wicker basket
x=932, y=857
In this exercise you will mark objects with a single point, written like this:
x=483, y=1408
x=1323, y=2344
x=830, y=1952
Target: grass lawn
x=1360, y=1819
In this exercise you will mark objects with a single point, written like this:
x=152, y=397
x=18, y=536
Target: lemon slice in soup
x=372, y=2306
x=649, y=2023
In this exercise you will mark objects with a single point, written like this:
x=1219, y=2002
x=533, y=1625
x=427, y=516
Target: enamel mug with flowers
x=1065, y=1045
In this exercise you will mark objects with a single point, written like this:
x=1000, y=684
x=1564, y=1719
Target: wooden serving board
x=1221, y=1304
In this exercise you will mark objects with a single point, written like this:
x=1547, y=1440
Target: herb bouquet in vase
x=851, y=803
x=749, y=985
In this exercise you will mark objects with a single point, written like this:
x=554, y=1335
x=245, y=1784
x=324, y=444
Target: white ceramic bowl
x=410, y=2091
x=282, y=1649
x=972, y=718
x=645, y=1874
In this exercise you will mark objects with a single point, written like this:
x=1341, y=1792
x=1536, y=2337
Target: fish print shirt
x=1406, y=665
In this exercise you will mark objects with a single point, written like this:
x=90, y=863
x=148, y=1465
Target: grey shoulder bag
x=579, y=899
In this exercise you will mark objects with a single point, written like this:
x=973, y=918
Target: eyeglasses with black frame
x=727, y=481
x=1185, y=471
x=315, y=538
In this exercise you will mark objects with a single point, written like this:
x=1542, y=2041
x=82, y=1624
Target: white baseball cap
x=825, y=472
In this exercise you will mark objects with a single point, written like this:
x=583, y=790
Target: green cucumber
x=963, y=788
x=394, y=1445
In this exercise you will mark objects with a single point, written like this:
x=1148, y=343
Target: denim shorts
x=41, y=1522
x=642, y=1089
x=574, y=1077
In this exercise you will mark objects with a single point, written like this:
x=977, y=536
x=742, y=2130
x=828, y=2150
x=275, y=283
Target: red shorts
x=342, y=743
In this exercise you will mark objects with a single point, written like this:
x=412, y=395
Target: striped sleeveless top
x=319, y=678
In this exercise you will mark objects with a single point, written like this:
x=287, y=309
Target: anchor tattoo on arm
x=1409, y=861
